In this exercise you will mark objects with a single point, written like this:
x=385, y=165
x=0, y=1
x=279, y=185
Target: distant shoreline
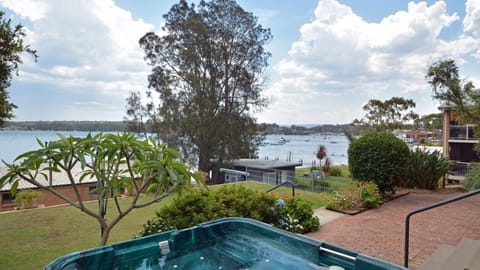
x=120, y=126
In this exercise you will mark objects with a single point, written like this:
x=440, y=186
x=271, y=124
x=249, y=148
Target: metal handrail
x=339, y=254
x=292, y=184
x=419, y=210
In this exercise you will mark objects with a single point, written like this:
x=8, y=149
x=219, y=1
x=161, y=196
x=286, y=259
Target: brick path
x=380, y=232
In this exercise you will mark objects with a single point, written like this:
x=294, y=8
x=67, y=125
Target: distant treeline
x=118, y=126
x=107, y=126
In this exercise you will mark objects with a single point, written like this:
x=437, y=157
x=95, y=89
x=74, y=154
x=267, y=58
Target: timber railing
x=423, y=209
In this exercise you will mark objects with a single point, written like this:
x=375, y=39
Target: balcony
x=462, y=133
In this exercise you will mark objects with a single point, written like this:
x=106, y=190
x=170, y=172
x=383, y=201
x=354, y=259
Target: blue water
x=14, y=143
x=237, y=250
x=305, y=148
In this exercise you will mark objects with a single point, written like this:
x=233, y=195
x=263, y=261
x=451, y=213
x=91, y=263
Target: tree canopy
x=11, y=46
x=208, y=70
x=389, y=114
x=448, y=87
x=115, y=162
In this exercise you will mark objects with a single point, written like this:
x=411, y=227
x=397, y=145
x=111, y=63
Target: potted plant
x=26, y=199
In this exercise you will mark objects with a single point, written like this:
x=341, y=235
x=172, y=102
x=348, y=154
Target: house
x=267, y=171
x=458, y=143
x=60, y=182
x=86, y=190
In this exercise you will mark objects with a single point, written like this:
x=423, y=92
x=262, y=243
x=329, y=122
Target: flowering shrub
x=337, y=200
x=356, y=195
x=295, y=215
x=202, y=205
x=197, y=206
x=370, y=195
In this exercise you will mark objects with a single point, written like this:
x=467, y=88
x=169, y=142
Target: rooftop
x=264, y=164
x=58, y=179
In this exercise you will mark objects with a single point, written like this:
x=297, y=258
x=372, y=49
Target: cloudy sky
x=329, y=57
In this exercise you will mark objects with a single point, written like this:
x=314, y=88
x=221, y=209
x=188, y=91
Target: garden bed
x=355, y=211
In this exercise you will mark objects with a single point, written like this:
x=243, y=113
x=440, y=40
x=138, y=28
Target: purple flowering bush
x=296, y=215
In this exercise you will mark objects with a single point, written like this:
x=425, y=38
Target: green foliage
x=472, y=179
x=197, y=206
x=336, y=171
x=369, y=194
x=424, y=169
x=338, y=200
x=26, y=198
x=207, y=69
x=389, y=114
x=449, y=88
x=380, y=157
x=296, y=215
x=113, y=161
x=11, y=47
x=355, y=196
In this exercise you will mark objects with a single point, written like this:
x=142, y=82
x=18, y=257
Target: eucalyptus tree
x=11, y=46
x=208, y=69
x=113, y=162
x=448, y=87
x=389, y=114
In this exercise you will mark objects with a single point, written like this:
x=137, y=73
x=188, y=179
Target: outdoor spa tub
x=228, y=243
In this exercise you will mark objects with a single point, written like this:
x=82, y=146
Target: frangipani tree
x=149, y=169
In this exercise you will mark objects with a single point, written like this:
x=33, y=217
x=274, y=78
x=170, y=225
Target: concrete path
x=326, y=216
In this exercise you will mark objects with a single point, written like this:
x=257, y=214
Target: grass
x=334, y=182
x=33, y=238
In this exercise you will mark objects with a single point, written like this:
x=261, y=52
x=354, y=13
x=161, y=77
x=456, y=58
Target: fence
x=314, y=181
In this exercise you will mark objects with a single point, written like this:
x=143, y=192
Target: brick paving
x=380, y=232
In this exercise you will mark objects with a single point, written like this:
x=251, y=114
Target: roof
x=264, y=164
x=59, y=179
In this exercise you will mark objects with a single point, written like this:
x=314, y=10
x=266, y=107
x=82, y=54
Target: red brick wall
x=48, y=199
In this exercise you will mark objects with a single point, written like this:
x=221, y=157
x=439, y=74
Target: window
x=7, y=198
x=92, y=190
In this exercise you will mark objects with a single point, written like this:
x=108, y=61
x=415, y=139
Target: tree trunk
x=203, y=161
x=105, y=234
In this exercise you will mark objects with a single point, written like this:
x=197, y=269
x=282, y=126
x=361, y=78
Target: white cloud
x=471, y=22
x=89, y=45
x=341, y=54
x=30, y=9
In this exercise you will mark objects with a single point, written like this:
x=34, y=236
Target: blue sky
x=329, y=57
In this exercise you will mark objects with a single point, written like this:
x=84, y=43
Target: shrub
x=425, y=169
x=337, y=200
x=369, y=194
x=472, y=179
x=379, y=156
x=202, y=205
x=26, y=199
x=355, y=195
x=335, y=171
x=296, y=215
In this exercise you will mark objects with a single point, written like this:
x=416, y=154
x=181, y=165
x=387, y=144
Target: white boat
x=281, y=141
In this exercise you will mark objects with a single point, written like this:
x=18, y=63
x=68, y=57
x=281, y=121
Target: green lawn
x=334, y=182
x=33, y=238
